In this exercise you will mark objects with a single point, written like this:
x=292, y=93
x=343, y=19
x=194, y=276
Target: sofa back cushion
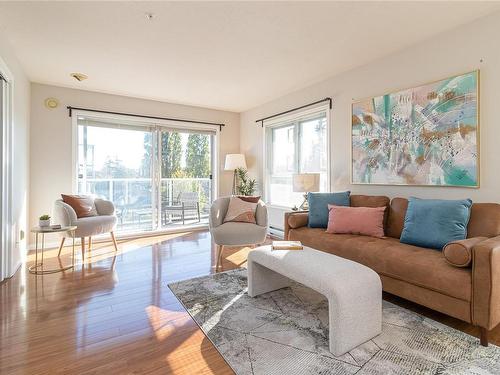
x=484, y=219
x=433, y=223
x=396, y=219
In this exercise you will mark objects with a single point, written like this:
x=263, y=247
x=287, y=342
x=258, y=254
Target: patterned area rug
x=286, y=332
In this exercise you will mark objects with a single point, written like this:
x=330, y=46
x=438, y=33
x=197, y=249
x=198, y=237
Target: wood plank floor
x=116, y=315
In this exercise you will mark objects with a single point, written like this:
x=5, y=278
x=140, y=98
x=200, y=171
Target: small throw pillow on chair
x=241, y=210
x=83, y=205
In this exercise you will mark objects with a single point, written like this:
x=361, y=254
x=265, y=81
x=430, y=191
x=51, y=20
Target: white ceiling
x=226, y=55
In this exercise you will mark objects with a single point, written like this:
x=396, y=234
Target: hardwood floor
x=116, y=315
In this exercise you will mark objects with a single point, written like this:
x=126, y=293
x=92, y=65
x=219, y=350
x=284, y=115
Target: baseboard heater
x=276, y=232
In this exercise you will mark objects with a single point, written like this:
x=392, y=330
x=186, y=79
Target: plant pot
x=44, y=223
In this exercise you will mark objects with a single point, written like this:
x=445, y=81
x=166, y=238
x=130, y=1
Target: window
x=295, y=145
x=156, y=176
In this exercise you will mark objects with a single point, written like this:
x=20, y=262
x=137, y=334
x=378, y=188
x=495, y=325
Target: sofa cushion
x=484, y=220
x=318, y=206
x=396, y=219
x=369, y=201
x=433, y=223
x=419, y=266
x=368, y=221
x=459, y=253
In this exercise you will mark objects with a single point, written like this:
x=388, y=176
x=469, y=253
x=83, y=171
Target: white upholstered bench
x=354, y=291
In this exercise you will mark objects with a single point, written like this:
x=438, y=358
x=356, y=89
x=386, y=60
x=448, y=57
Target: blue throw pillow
x=318, y=206
x=433, y=223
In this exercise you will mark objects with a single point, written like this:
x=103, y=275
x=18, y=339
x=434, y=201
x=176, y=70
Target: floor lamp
x=233, y=162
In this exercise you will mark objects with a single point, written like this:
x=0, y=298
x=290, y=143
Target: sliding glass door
x=185, y=177
x=115, y=163
x=156, y=177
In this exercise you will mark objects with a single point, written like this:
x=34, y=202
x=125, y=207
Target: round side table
x=37, y=268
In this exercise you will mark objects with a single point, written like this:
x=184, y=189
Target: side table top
x=50, y=230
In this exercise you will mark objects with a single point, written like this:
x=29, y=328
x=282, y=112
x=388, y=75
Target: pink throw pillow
x=367, y=221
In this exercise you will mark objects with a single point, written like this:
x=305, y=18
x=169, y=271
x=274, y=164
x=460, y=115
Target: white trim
x=282, y=120
x=7, y=227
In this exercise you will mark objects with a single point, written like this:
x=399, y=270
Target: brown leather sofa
x=421, y=275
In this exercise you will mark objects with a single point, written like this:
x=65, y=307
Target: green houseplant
x=246, y=185
x=44, y=221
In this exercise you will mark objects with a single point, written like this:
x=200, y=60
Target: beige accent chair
x=233, y=233
x=104, y=222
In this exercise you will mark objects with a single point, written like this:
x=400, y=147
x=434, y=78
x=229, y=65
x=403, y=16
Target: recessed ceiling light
x=79, y=76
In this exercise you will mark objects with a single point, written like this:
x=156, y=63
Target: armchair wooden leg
x=82, y=239
x=61, y=246
x=484, y=336
x=114, y=240
x=90, y=245
x=220, y=248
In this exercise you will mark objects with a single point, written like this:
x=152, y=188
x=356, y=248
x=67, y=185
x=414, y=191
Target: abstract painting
x=427, y=135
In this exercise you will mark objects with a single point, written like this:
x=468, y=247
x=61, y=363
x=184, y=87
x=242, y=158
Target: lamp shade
x=235, y=161
x=305, y=182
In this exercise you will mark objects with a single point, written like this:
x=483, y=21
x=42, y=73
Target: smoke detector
x=79, y=76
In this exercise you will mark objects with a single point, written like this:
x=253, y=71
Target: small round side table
x=37, y=268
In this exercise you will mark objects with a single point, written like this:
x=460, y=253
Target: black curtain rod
x=329, y=100
x=2, y=78
x=70, y=109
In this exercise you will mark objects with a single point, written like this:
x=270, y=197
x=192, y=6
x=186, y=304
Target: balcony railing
x=140, y=207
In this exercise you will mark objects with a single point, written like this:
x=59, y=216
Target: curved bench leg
x=263, y=280
x=355, y=316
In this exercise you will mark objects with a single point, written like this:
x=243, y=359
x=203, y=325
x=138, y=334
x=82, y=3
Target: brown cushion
x=369, y=201
x=459, y=253
x=82, y=204
x=396, y=219
x=416, y=265
x=249, y=198
x=484, y=220
x=297, y=220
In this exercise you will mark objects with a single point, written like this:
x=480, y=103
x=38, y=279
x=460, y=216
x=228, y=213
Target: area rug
x=286, y=332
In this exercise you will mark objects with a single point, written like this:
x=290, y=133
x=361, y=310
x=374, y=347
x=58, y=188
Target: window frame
x=282, y=121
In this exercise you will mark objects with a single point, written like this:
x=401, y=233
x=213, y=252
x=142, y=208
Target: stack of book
x=287, y=245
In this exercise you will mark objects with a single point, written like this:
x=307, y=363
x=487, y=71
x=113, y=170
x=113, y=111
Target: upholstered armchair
x=104, y=222
x=235, y=233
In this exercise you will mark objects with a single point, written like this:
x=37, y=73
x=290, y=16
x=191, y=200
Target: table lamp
x=305, y=183
x=233, y=162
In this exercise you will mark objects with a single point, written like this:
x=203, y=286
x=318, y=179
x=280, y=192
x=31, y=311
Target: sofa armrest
x=486, y=283
x=295, y=220
x=104, y=207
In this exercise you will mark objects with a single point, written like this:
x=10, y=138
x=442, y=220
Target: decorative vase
x=44, y=223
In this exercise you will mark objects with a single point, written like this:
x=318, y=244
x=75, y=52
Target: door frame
x=7, y=235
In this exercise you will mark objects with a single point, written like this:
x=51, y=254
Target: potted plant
x=246, y=185
x=44, y=221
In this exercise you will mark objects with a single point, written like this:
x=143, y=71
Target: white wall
x=20, y=164
x=51, y=132
x=450, y=53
